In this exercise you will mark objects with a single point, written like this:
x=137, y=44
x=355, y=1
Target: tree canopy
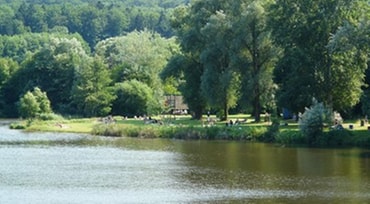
x=94, y=58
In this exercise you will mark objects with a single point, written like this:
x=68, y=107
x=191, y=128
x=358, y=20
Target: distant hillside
x=94, y=20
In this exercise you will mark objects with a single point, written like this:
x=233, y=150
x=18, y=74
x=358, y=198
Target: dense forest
x=120, y=57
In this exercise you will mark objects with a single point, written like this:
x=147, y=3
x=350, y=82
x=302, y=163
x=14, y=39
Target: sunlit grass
x=183, y=126
x=73, y=125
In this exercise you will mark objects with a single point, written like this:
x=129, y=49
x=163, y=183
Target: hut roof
x=176, y=102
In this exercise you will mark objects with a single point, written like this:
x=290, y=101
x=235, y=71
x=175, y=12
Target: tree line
x=121, y=57
x=93, y=20
x=273, y=53
x=121, y=77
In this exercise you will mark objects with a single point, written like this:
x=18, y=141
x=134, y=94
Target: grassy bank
x=182, y=127
x=181, y=132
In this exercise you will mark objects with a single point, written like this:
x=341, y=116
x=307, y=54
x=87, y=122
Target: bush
x=188, y=133
x=335, y=138
x=256, y=133
x=49, y=116
x=272, y=132
x=107, y=130
x=34, y=103
x=191, y=132
x=361, y=141
x=312, y=122
x=18, y=126
x=290, y=137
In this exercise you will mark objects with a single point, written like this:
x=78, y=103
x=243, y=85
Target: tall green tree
x=9, y=25
x=19, y=47
x=7, y=68
x=231, y=43
x=117, y=23
x=188, y=21
x=188, y=72
x=92, y=25
x=139, y=56
x=52, y=69
x=92, y=93
x=33, y=17
x=307, y=68
x=219, y=80
x=255, y=55
x=350, y=47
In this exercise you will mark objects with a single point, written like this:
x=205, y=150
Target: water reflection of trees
x=254, y=165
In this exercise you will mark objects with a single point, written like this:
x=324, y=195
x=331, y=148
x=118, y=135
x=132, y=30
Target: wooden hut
x=176, y=105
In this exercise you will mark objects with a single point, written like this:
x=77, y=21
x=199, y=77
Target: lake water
x=74, y=168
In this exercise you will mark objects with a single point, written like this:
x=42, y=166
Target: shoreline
x=193, y=130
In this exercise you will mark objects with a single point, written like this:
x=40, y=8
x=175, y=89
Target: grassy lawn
x=85, y=125
x=184, y=125
x=74, y=125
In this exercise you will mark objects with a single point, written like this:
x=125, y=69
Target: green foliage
x=134, y=98
x=139, y=55
x=272, y=131
x=171, y=86
x=291, y=137
x=229, y=52
x=107, y=130
x=317, y=70
x=183, y=132
x=91, y=91
x=34, y=103
x=17, y=126
x=361, y=139
x=50, y=116
x=365, y=102
x=94, y=21
x=350, y=47
x=227, y=58
x=7, y=68
x=51, y=68
x=335, y=138
x=42, y=100
x=313, y=121
x=219, y=82
x=189, y=71
x=19, y=47
x=256, y=56
x=28, y=106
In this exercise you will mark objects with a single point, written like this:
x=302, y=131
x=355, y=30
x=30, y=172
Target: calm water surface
x=73, y=168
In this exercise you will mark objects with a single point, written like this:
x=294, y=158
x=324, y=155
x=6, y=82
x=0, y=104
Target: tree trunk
x=257, y=110
x=257, y=107
x=226, y=112
x=198, y=113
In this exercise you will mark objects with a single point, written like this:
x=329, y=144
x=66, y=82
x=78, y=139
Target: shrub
x=49, y=116
x=34, y=103
x=190, y=132
x=255, y=133
x=312, y=122
x=335, y=138
x=290, y=137
x=107, y=130
x=18, y=125
x=272, y=132
x=361, y=141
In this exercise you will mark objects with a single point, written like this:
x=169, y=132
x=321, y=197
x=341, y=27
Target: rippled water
x=72, y=168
